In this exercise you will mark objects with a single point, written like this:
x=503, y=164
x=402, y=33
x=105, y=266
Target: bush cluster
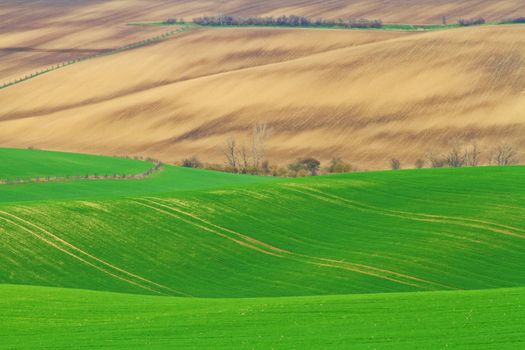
x=307, y=166
x=514, y=20
x=471, y=22
x=285, y=21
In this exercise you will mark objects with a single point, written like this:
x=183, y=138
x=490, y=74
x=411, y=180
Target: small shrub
x=305, y=165
x=471, y=22
x=280, y=171
x=420, y=163
x=436, y=161
x=513, y=20
x=338, y=166
x=266, y=169
x=311, y=165
x=192, y=162
x=365, y=23
x=395, y=164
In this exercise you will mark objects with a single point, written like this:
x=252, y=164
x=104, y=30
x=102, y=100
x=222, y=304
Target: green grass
x=358, y=233
x=18, y=163
x=40, y=318
x=25, y=163
x=416, y=259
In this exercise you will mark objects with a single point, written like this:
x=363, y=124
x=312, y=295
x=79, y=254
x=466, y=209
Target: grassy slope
x=57, y=318
x=23, y=163
x=358, y=233
x=224, y=236
x=170, y=179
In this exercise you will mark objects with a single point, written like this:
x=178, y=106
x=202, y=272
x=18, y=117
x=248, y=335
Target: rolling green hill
x=16, y=163
x=411, y=259
x=488, y=319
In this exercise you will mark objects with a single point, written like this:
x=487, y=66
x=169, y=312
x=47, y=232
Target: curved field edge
x=357, y=233
x=171, y=179
x=38, y=318
x=27, y=164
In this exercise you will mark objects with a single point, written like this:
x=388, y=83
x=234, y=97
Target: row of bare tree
x=465, y=155
x=248, y=155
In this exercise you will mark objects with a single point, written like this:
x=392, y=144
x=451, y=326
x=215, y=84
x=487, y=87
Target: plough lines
x=171, y=209
x=86, y=258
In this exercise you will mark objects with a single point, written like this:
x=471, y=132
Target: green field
x=24, y=163
x=488, y=319
x=415, y=259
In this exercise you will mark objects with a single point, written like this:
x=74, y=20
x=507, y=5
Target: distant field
x=488, y=319
x=317, y=90
x=325, y=94
x=220, y=251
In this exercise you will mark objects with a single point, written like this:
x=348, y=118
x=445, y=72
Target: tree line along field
x=414, y=259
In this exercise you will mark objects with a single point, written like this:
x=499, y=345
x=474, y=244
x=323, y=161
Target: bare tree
x=455, y=157
x=505, y=154
x=472, y=155
x=244, y=162
x=260, y=134
x=436, y=161
x=395, y=164
x=230, y=151
x=420, y=163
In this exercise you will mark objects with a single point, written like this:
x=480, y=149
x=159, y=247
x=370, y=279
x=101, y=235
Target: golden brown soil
x=38, y=33
x=365, y=96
